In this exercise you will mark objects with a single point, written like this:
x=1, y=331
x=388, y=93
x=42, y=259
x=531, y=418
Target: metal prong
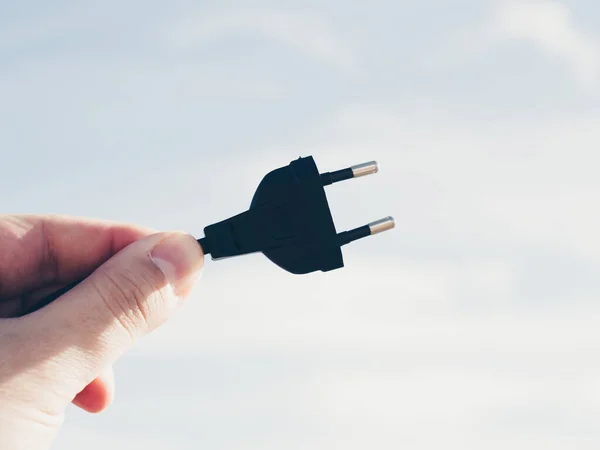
x=359, y=170
x=367, y=168
x=382, y=225
x=378, y=226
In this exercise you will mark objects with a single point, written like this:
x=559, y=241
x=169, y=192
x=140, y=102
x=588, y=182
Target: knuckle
x=12, y=337
x=125, y=295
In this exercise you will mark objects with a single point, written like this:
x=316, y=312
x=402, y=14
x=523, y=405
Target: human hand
x=134, y=279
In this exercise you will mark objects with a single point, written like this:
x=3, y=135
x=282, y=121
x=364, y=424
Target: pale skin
x=134, y=279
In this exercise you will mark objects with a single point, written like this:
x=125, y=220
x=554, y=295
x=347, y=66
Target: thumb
x=135, y=291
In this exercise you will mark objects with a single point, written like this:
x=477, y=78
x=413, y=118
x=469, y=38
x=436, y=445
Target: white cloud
x=478, y=202
x=427, y=339
x=546, y=25
x=35, y=29
x=551, y=27
x=381, y=312
x=508, y=180
x=452, y=408
x=405, y=343
x=307, y=33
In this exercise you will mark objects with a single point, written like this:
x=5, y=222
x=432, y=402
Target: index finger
x=41, y=250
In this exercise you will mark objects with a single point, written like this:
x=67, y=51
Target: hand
x=134, y=279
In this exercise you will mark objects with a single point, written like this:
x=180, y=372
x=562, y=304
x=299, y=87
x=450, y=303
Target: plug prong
x=359, y=170
x=379, y=226
x=368, y=168
x=371, y=229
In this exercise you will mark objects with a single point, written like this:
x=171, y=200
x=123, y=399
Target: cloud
x=494, y=221
x=467, y=317
x=39, y=28
x=492, y=215
x=387, y=399
x=469, y=326
x=550, y=26
x=307, y=33
x=374, y=313
x=520, y=180
x=546, y=25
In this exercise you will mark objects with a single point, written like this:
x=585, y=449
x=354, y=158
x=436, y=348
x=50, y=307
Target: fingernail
x=180, y=258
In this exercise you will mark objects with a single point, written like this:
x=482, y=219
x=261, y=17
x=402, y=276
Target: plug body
x=289, y=221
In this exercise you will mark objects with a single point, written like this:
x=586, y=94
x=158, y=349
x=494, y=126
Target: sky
x=474, y=324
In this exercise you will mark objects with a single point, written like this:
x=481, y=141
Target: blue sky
x=472, y=325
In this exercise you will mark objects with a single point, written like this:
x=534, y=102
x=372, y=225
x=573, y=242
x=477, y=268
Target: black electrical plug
x=290, y=222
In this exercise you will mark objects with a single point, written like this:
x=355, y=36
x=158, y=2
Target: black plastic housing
x=289, y=221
